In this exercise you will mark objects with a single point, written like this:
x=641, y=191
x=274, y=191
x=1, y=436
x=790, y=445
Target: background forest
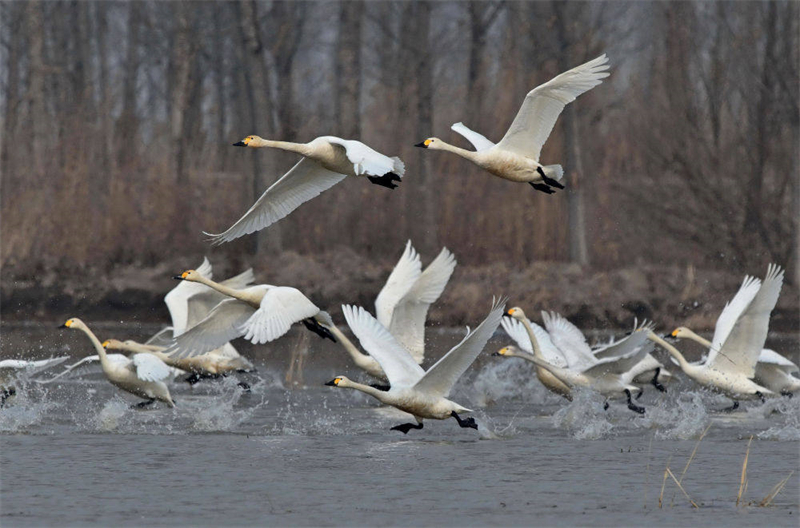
x=681, y=168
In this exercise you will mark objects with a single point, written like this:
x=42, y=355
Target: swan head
x=249, y=141
x=515, y=313
x=430, y=143
x=113, y=344
x=74, y=323
x=680, y=332
x=338, y=381
x=189, y=275
x=507, y=351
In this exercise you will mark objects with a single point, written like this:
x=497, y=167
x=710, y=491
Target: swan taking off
x=326, y=161
x=260, y=313
x=413, y=390
x=11, y=369
x=142, y=376
x=402, y=306
x=739, y=338
x=516, y=157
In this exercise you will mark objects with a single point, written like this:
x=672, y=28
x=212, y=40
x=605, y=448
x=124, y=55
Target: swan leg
x=632, y=406
x=655, y=381
x=6, y=394
x=244, y=386
x=384, y=388
x=387, y=180
x=549, y=181
x=763, y=399
x=318, y=329
x=732, y=407
x=784, y=392
x=464, y=422
x=605, y=405
x=639, y=394
x=142, y=405
x=542, y=187
x=406, y=427
x=196, y=378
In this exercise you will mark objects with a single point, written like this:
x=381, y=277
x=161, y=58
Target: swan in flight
x=739, y=338
x=402, y=306
x=12, y=369
x=571, y=342
x=142, y=376
x=413, y=390
x=516, y=156
x=260, y=313
x=610, y=376
x=327, y=160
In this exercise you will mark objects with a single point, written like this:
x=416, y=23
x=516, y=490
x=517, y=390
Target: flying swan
x=516, y=157
x=327, y=160
x=413, y=390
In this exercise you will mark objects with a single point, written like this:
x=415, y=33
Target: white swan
x=12, y=369
x=259, y=313
x=739, y=337
x=327, y=160
x=610, y=376
x=402, y=306
x=573, y=345
x=413, y=390
x=142, y=376
x=516, y=156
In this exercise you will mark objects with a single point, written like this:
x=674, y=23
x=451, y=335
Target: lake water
x=75, y=453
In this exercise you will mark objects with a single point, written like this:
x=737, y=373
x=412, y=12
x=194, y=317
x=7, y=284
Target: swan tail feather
x=554, y=172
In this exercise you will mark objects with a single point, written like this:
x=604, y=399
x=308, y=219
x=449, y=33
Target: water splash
x=584, y=417
x=28, y=408
x=507, y=379
x=789, y=430
x=111, y=414
x=221, y=413
x=682, y=418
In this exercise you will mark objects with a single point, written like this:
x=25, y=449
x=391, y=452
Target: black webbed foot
x=387, y=180
x=655, y=381
x=192, y=379
x=550, y=181
x=6, y=394
x=406, y=427
x=784, y=392
x=639, y=394
x=632, y=406
x=244, y=386
x=142, y=405
x=605, y=405
x=731, y=408
x=464, y=422
x=542, y=187
x=318, y=329
x=384, y=388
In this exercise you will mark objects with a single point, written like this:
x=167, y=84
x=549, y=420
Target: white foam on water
x=26, y=409
x=789, y=411
x=584, y=417
x=506, y=379
x=220, y=413
x=681, y=418
x=110, y=416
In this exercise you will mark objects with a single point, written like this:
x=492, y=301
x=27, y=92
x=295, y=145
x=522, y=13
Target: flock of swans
x=207, y=315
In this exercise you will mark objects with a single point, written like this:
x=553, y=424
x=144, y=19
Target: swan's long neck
x=537, y=352
x=562, y=374
x=101, y=352
x=230, y=292
x=697, y=339
x=358, y=356
x=468, y=154
x=372, y=391
x=299, y=148
x=674, y=352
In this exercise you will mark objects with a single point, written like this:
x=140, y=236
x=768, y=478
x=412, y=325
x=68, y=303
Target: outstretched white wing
x=201, y=303
x=542, y=106
x=366, y=160
x=630, y=351
x=162, y=338
x=31, y=367
x=739, y=352
x=280, y=308
x=773, y=358
x=117, y=359
x=731, y=313
x=516, y=331
x=400, y=368
x=440, y=378
x=150, y=368
x=306, y=180
x=408, y=317
x=223, y=323
x=479, y=141
x=569, y=340
x=400, y=281
x=176, y=299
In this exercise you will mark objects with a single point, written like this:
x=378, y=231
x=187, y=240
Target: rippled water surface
x=75, y=453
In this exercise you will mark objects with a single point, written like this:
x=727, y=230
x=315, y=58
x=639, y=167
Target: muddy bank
x=592, y=299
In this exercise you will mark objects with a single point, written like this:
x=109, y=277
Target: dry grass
x=691, y=457
x=664, y=483
x=774, y=492
x=743, y=481
x=681, y=488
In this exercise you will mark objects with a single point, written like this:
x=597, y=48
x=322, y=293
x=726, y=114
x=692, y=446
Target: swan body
x=516, y=156
x=259, y=313
x=402, y=306
x=141, y=376
x=423, y=394
x=218, y=361
x=327, y=160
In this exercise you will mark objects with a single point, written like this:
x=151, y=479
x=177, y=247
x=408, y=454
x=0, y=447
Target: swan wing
x=223, y=323
x=31, y=367
x=440, y=378
x=408, y=317
x=569, y=340
x=400, y=368
x=630, y=351
x=732, y=311
x=516, y=331
x=306, y=180
x=162, y=338
x=400, y=281
x=366, y=160
x=478, y=141
x=773, y=358
x=177, y=298
x=202, y=302
x=150, y=368
x=280, y=308
x=740, y=351
x=542, y=106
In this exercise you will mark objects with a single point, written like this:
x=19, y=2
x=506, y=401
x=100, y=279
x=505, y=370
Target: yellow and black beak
x=501, y=352
x=423, y=144
x=507, y=314
x=105, y=344
x=66, y=325
x=334, y=382
x=240, y=144
x=182, y=276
